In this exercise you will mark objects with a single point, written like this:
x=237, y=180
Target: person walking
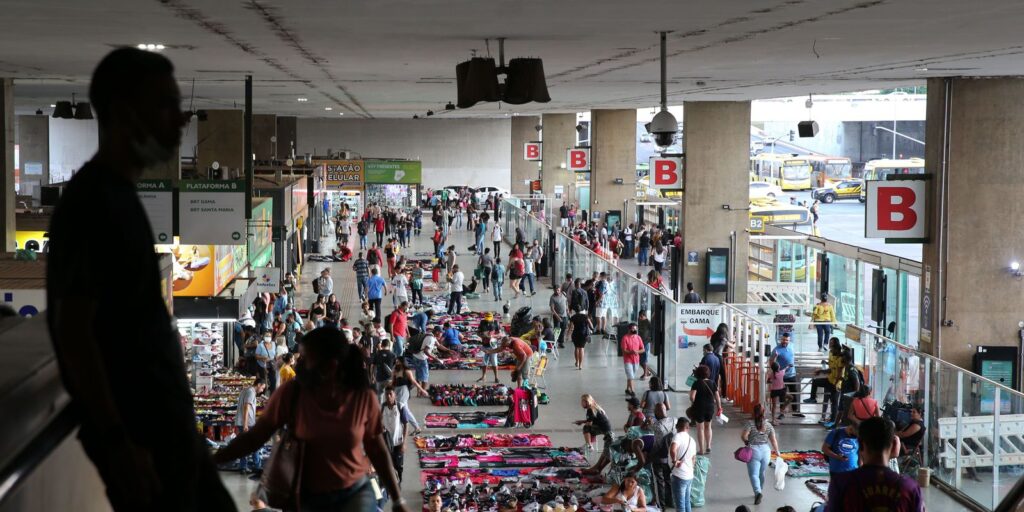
x=245, y=419
x=783, y=354
x=393, y=419
x=644, y=247
x=378, y=228
x=707, y=404
x=559, y=307
x=759, y=435
x=496, y=237
x=580, y=329
x=335, y=412
x=416, y=284
x=691, y=296
x=632, y=347
x=458, y=280
x=486, y=264
x=399, y=288
x=873, y=486
x=664, y=428
x=654, y=397
x=376, y=288
x=682, y=455
x=824, y=318
x=498, y=279
x=398, y=323
x=643, y=329
x=362, y=269
x=660, y=255
x=325, y=283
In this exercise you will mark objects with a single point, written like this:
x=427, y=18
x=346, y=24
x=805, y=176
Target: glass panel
x=842, y=284
x=891, y=303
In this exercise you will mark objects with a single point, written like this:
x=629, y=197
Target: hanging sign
x=897, y=211
x=212, y=212
x=533, y=151
x=666, y=172
x=157, y=198
x=342, y=174
x=409, y=172
x=267, y=279
x=578, y=160
x=697, y=322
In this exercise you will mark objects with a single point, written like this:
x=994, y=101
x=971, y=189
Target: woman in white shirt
x=496, y=238
x=660, y=256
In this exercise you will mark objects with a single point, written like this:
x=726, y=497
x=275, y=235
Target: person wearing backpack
x=664, y=428
x=362, y=229
x=654, y=397
x=382, y=366
x=497, y=279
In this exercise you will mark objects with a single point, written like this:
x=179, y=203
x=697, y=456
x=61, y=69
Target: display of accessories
x=804, y=463
x=472, y=395
x=476, y=419
x=215, y=409
x=527, y=489
x=481, y=441
x=512, y=457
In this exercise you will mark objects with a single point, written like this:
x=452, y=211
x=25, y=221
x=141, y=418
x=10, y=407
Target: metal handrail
x=38, y=449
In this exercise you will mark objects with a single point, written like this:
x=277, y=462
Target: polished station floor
x=728, y=485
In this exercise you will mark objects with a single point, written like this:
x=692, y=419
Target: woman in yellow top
x=831, y=383
x=824, y=317
x=287, y=372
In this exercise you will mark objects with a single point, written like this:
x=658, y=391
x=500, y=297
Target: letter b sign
x=896, y=209
x=532, y=151
x=578, y=160
x=666, y=172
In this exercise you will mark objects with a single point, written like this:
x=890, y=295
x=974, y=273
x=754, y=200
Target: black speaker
x=476, y=80
x=807, y=128
x=525, y=82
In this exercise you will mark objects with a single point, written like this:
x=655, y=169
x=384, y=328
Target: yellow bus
x=826, y=171
x=879, y=169
x=787, y=171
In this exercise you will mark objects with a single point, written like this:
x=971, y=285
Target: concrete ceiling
x=394, y=58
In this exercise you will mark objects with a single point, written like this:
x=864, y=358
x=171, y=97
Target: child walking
x=777, y=384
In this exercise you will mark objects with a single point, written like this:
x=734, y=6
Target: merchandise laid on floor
x=215, y=409
x=471, y=358
x=818, y=486
x=526, y=457
x=481, y=441
x=805, y=463
x=439, y=303
x=526, y=489
x=472, y=395
x=475, y=419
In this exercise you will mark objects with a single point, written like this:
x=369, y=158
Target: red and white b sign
x=667, y=172
x=532, y=151
x=578, y=160
x=896, y=209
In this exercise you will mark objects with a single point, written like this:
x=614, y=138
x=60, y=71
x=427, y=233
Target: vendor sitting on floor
x=628, y=495
x=451, y=337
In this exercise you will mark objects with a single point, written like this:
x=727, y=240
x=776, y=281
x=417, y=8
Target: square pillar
x=974, y=297
x=264, y=136
x=220, y=140
x=524, y=129
x=559, y=135
x=613, y=155
x=7, y=223
x=717, y=147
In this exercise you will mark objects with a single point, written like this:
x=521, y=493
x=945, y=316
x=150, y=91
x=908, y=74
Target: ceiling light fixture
x=341, y=113
x=151, y=47
x=52, y=105
x=303, y=100
x=72, y=110
x=921, y=69
x=328, y=108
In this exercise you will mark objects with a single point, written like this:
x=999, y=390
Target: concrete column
x=264, y=136
x=524, y=129
x=33, y=140
x=717, y=146
x=559, y=135
x=287, y=127
x=613, y=154
x=7, y=223
x=969, y=283
x=220, y=140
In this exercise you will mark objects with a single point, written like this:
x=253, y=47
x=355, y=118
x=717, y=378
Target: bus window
x=796, y=171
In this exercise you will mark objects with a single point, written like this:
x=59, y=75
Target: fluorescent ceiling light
x=303, y=100
x=328, y=108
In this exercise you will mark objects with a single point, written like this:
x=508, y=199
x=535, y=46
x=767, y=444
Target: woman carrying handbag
x=332, y=433
x=759, y=438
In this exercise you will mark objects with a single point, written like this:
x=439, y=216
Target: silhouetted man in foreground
x=119, y=356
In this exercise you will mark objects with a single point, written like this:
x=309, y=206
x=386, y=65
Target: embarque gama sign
x=697, y=322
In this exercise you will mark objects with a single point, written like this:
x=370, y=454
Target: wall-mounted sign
x=27, y=303
x=342, y=173
x=897, y=211
x=212, y=212
x=692, y=259
x=698, y=322
x=394, y=171
x=157, y=197
x=666, y=172
x=578, y=159
x=533, y=151
x=756, y=224
x=267, y=279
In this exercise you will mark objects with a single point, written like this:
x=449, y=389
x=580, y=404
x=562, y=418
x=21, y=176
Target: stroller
x=521, y=321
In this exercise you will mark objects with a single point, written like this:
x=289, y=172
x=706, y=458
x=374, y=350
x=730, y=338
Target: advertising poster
x=261, y=233
x=267, y=279
x=157, y=198
x=193, y=269
x=393, y=171
x=35, y=240
x=212, y=212
x=342, y=174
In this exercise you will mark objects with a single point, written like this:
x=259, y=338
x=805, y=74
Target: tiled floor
x=728, y=485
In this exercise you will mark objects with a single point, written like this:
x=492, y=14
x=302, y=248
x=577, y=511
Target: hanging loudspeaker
x=476, y=80
x=807, y=128
x=526, y=82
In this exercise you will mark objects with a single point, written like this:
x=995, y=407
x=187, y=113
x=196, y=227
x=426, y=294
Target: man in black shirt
x=119, y=356
x=691, y=296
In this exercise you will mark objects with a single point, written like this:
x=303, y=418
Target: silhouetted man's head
x=138, y=106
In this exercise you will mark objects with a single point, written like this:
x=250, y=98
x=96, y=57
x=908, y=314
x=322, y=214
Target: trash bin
x=621, y=329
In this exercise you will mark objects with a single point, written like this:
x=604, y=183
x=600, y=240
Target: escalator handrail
x=38, y=449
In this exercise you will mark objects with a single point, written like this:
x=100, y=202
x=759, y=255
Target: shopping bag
x=780, y=473
x=721, y=419
x=701, y=468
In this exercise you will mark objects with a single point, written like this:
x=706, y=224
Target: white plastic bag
x=780, y=473
x=721, y=419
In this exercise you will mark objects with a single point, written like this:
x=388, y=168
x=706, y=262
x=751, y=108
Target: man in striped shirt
x=362, y=268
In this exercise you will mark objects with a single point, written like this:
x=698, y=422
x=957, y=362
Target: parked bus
x=826, y=171
x=788, y=171
x=880, y=169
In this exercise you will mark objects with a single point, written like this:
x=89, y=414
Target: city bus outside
x=826, y=171
x=787, y=171
x=882, y=168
